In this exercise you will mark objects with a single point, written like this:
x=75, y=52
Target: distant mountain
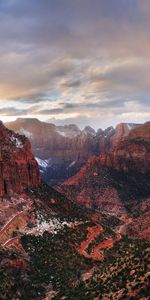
x=62, y=150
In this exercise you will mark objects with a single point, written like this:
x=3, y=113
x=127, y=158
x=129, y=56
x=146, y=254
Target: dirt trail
x=15, y=243
x=93, y=232
x=18, y=220
x=10, y=221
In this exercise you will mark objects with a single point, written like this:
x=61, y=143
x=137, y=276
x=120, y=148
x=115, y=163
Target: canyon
x=62, y=150
x=89, y=239
x=116, y=180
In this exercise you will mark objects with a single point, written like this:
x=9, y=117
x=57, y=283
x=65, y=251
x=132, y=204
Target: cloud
x=53, y=111
x=12, y=111
x=87, y=58
x=72, y=83
x=144, y=7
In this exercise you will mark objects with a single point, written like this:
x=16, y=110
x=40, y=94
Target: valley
x=62, y=150
x=89, y=239
x=75, y=150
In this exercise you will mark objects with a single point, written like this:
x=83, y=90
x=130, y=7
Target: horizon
x=65, y=124
x=71, y=62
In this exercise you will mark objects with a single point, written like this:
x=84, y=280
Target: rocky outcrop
x=116, y=180
x=121, y=131
x=62, y=150
x=48, y=141
x=132, y=153
x=44, y=236
x=18, y=168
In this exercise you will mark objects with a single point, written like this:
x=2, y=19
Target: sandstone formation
x=62, y=150
x=132, y=153
x=18, y=168
x=44, y=236
x=115, y=180
x=121, y=131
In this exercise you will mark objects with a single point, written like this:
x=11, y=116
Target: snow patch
x=16, y=142
x=129, y=126
x=42, y=163
x=63, y=133
x=53, y=225
x=68, y=132
x=72, y=164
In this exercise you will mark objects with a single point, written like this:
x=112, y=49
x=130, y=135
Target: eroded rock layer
x=18, y=168
x=115, y=180
x=62, y=150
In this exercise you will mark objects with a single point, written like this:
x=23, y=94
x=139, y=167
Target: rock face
x=121, y=131
x=18, y=168
x=62, y=150
x=132, y=153
x=43, y=235
x=115, y=180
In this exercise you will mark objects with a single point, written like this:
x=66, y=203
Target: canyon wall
x=18, y=168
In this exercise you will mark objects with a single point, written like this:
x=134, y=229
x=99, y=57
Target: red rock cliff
x=132, y=153
x=119, y=176
x=18, y=168
x=62, y=150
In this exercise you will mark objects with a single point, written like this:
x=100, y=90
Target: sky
x=85, y=62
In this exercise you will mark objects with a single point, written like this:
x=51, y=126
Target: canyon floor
x=53, y=249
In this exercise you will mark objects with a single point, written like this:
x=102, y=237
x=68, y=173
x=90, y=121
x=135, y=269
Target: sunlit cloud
x=80, y=61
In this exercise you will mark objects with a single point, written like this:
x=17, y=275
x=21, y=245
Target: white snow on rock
x=41, y=162
x=130, y=126
x=53, y=225
x=16, y=142
x=68, y=131
x=68, y=134
x=72, y=164
x=63, y=133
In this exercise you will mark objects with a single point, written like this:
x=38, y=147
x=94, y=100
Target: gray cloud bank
x=80, y=61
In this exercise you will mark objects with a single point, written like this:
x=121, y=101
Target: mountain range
x=62, y=150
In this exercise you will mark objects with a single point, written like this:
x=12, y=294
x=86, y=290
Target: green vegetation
x=55, y=264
